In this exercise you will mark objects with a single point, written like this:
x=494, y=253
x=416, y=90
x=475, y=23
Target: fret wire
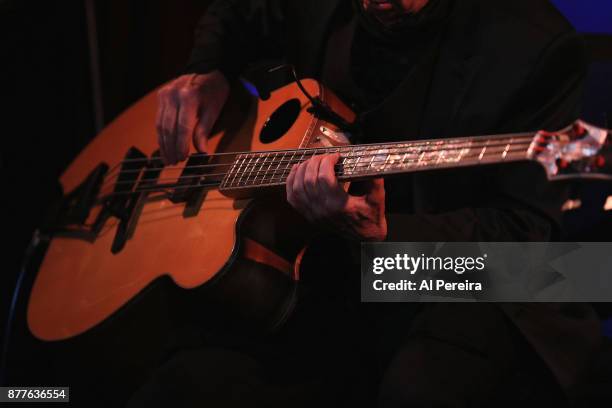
x=254, y=182
x=386, y=161
x=245, y=171
x=227, y=180
x=267, y=156
x=506, y=150
x=356, y=164
x=262, y=166
x=304, y=153
x=290, y=164
x=256, y=165
x=281, y=162
x=484, y=149
x=244, y=178
x=421, y=157
x=231, y=172
x=371, y=161
x=350, y=160
x=354, y=161
x=357, y=161
x=239, y=171
x=272, y=160
x=257, y=159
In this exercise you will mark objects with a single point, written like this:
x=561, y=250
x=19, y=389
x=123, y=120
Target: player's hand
x=188, y=108
x=314, y=191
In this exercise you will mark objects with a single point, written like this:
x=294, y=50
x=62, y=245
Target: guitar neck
x=254, y=170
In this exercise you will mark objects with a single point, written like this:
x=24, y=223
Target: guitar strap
x=254, y=251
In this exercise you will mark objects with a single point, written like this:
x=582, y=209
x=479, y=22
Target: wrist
x=367, y=222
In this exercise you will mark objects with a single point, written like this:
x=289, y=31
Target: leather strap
x=256, y=252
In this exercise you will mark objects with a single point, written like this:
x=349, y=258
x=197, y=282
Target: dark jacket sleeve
x=522, y=205
x=234, y=33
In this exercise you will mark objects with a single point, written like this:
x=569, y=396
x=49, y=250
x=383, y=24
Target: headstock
x=580, y=151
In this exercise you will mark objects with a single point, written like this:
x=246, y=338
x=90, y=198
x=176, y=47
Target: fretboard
x=254, y=170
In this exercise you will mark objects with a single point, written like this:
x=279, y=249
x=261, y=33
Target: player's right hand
x=188, y=108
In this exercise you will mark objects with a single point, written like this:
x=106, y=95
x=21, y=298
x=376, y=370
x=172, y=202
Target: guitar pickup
x=76, y=206
x=139, y=175
x=189, y=189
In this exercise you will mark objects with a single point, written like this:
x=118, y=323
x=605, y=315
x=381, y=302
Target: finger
x=200, y=139
x=311, y=175
x=158, y=123
x=165, y=137
x=298, y=182
x=206, y=121
x=185, y=124
x=334, y=193
x=328, y=181
x=289, y=184
x=316, y=200
x=375, y=191
x=299, y=195
x=169, y=117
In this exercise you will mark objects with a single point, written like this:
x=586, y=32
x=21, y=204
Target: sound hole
x=280, y=121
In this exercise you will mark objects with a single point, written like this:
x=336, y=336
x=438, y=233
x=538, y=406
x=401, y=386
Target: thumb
x=375, y=188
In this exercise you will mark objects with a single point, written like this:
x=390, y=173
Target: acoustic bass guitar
x=220, y=220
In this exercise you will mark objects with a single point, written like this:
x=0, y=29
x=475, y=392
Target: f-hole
x=280, y=121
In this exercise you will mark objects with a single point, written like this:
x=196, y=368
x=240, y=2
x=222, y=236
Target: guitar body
x=242, y=255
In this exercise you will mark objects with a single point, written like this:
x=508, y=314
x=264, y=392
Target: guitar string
x=433, y=144
x=257, y=170
x=351, y=166
x=277, y=182
x=367, y=147
x=370, y=145
x=280, y=176
x=350, y=148
x=356, y=153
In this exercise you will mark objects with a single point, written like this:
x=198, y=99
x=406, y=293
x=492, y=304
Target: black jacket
x=503, y=66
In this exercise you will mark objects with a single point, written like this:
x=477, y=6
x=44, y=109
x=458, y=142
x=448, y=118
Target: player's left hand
x=314, y=191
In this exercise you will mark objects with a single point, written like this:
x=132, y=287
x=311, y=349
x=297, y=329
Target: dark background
x=48, y=115
x=46, y=87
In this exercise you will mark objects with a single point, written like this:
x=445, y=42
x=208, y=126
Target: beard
x=387, y=12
